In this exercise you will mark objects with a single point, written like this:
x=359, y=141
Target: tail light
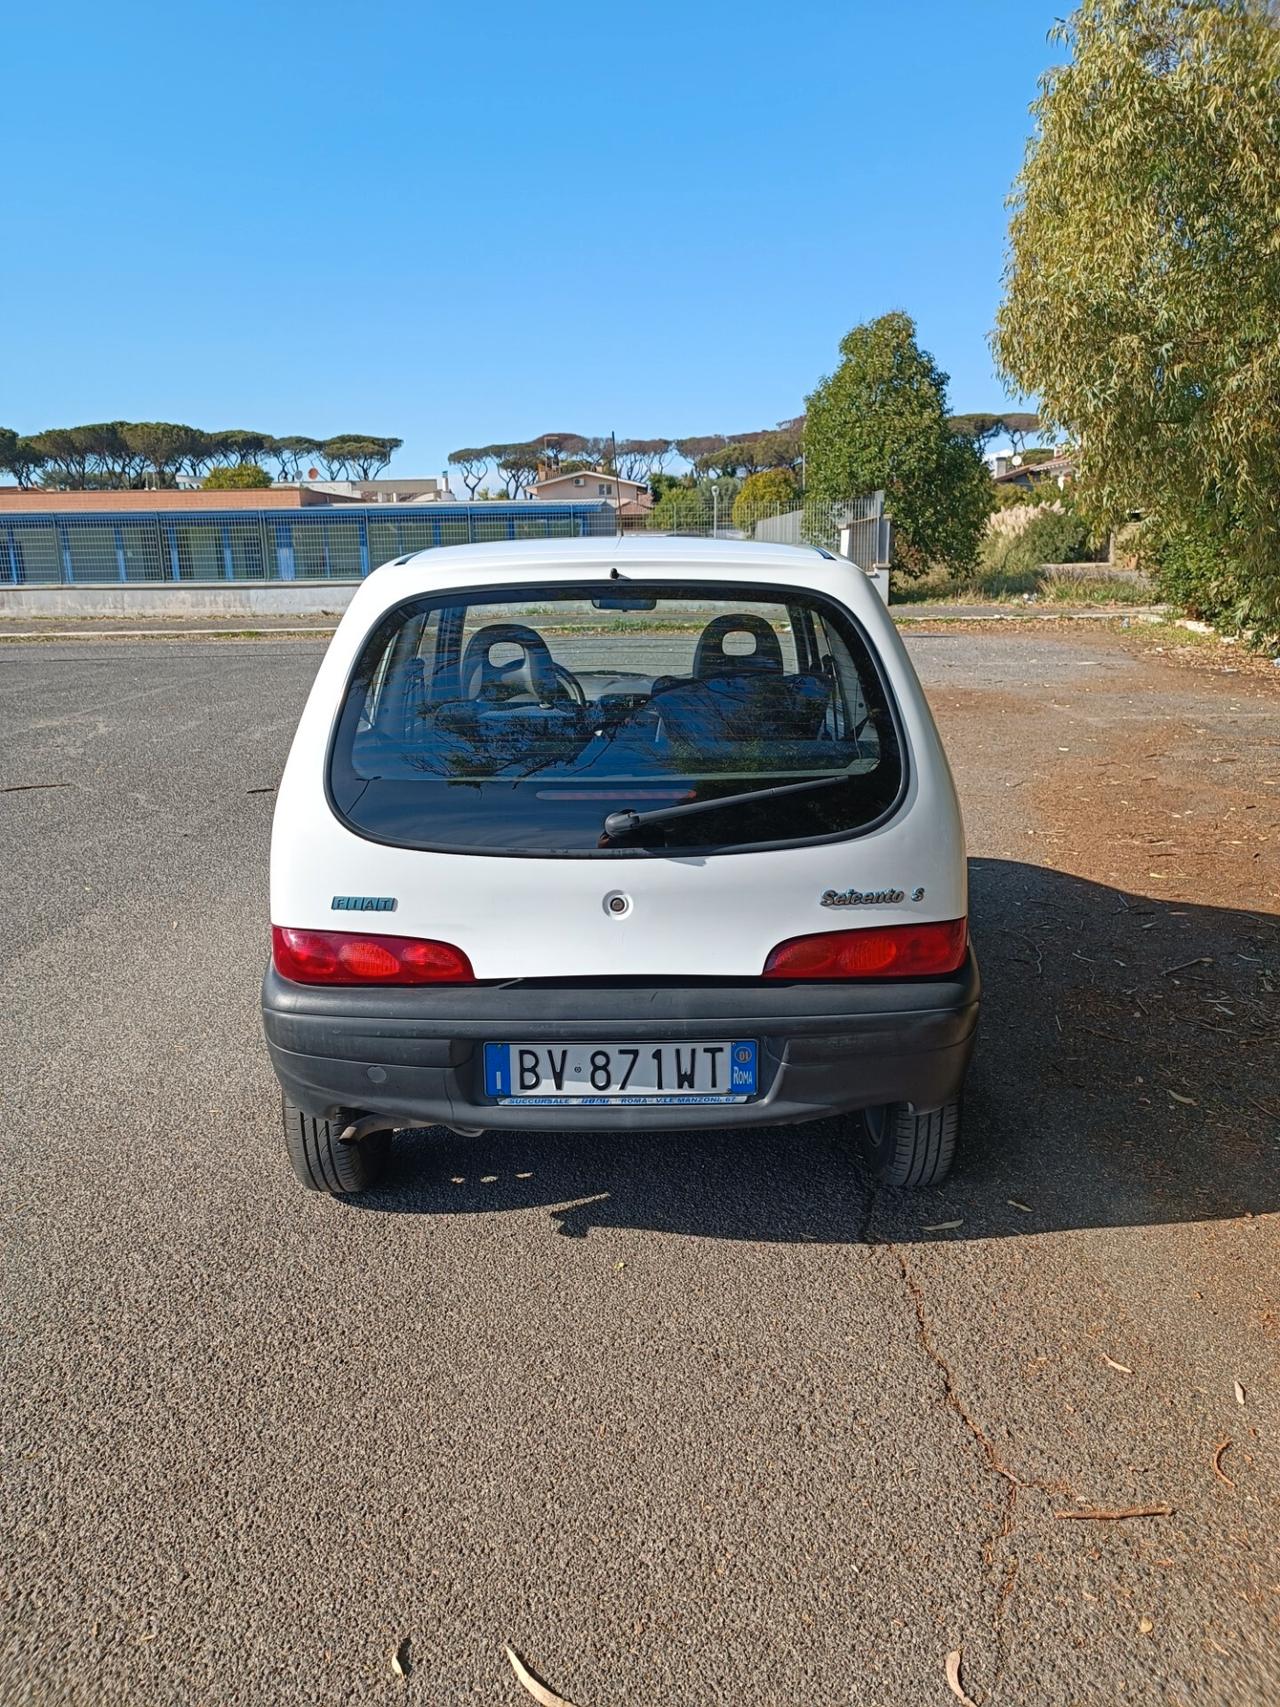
x=878, y=951
x=346, y=957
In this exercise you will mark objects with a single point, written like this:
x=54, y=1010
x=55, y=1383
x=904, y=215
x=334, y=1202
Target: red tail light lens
x=347, y=957
x=878, y=951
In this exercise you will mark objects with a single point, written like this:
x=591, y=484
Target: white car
x=642, y=833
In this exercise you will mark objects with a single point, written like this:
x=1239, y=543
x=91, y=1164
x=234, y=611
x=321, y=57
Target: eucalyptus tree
x=1143, y=282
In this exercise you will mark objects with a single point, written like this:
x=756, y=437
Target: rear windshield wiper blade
x=622, y=823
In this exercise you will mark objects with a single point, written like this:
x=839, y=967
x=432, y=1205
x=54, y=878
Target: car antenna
x=616, y=484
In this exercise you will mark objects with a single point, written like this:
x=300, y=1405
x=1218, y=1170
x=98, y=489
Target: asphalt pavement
x=689, y=1419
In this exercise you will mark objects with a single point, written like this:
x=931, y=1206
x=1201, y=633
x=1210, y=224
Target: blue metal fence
x=319, y=543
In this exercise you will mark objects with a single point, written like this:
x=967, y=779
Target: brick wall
x=13, y=499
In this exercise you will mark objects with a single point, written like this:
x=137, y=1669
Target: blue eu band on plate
x=620, y=1073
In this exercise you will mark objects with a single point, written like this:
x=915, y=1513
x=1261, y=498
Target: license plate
x=613, y=1074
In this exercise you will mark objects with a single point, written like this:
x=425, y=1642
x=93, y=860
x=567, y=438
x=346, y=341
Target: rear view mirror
x=624, y=603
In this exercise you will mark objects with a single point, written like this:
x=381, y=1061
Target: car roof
x=661, y=557
x=606, y=551
x=499, y=565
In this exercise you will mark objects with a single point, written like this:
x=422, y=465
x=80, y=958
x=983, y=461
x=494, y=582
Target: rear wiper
x=622, y=823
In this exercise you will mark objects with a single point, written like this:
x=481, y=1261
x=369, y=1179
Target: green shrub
x=1058, y=536
x=763, y=494
x=243, y=477
x=1208, y=571
x=679, y=509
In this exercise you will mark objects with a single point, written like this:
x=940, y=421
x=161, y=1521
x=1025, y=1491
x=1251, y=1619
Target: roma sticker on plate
x=619, y=1074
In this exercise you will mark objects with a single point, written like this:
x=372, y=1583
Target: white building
x=406, y=491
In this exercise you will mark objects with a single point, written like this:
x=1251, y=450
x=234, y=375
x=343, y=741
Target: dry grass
x=1062, y=585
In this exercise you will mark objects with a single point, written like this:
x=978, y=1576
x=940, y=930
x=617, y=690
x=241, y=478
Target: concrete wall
x=150, y=602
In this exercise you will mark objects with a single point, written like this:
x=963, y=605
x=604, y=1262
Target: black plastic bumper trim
x=824, y=1048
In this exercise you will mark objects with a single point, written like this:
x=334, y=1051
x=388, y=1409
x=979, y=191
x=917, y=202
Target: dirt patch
x=1141, y=802
x=1175, y=800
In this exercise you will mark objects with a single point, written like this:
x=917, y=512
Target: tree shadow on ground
x=1127, y=1074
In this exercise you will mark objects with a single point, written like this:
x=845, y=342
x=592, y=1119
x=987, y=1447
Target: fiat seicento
x=644, y=833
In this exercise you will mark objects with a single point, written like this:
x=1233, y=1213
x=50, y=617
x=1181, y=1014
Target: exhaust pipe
x=368, y=1124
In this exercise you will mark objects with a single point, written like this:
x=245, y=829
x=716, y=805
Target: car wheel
x=322, y=1162
x=903, y=1148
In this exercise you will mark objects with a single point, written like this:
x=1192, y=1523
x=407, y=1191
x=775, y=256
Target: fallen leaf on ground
x=1190, y=1101
x=941, y=1226
x=1106, y=1514
x=1239, y=1392
x=1218, y=1471
x=1122, y=1367
x=525, y=1678
x=953, y=1678
x=400, y=1658
x=1014, y=1204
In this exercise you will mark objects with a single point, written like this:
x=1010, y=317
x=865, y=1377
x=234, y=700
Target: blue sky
x=461, y=224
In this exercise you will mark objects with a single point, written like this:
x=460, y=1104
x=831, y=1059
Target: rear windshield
x=570, y=721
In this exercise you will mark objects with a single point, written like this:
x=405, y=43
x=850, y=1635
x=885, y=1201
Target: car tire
x=322, y=1162
x=902, y=1148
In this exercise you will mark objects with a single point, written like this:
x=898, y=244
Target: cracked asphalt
x=686, y=1420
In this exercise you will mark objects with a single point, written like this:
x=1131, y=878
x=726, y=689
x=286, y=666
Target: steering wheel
x=577, y=692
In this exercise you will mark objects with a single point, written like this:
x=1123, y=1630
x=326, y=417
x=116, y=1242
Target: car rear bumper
x=416, y=1054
